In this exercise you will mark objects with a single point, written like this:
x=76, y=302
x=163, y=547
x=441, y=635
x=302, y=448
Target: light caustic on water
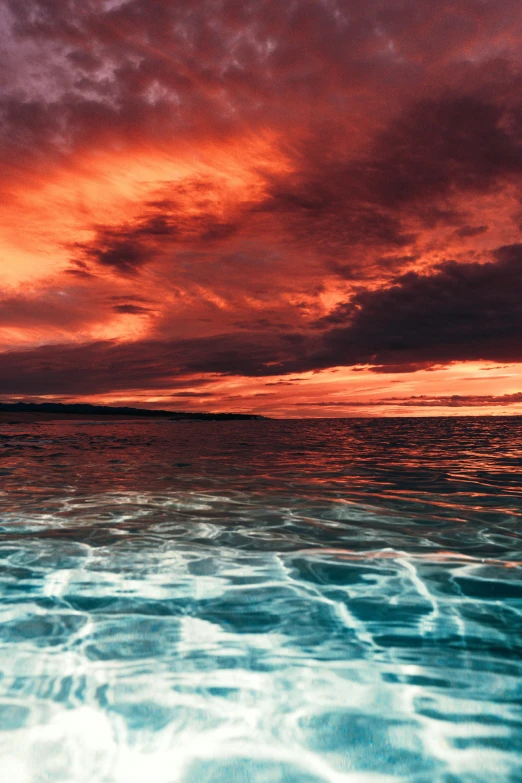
x=261, y=602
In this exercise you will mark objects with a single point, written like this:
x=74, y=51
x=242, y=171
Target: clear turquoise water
x=261, y=602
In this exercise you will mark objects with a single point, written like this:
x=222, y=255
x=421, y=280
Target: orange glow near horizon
x=341, y=393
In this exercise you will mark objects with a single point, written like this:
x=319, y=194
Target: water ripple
x=316, y=614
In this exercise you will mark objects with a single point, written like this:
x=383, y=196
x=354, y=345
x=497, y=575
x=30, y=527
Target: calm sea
x=324, y=601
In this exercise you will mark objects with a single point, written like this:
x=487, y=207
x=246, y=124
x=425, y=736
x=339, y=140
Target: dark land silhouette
x=53, y=410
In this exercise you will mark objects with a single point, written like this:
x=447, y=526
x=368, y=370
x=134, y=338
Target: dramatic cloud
x=462, y=312
x=434, y=151
x=248, y=189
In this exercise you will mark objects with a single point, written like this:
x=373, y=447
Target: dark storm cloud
x=456, y=142
x=435, y=149
x=106, y=366
x=163, y=225
x=458, y=313
x=128, y=247
x=461, y=312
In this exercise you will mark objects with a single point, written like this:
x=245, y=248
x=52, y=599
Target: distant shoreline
x=24, y=418
x=20, y=412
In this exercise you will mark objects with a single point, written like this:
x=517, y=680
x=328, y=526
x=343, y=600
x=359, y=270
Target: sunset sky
x=287, y=207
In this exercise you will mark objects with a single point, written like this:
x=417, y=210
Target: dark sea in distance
x=314, y=601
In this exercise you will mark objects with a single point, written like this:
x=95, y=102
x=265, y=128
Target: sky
x=298, y=208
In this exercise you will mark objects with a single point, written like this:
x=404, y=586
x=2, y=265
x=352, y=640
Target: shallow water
x=261, y=602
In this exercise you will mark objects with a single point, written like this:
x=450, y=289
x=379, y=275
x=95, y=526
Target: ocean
x=305, y=601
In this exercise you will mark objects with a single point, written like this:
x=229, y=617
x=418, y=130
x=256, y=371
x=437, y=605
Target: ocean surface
x=320, y=601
